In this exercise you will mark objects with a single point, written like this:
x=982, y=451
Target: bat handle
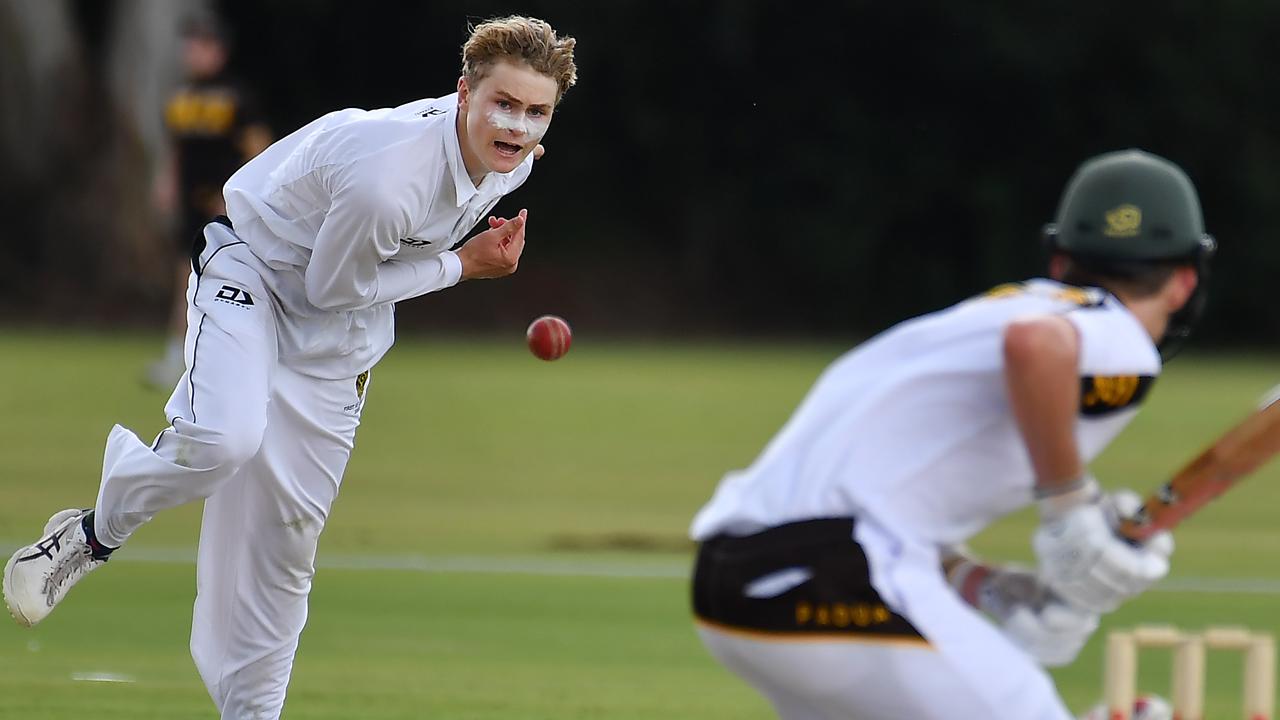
x=1137, y=529
x=1161, y=510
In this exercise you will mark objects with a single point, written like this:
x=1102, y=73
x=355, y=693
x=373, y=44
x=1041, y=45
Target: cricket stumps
x=1120, y=672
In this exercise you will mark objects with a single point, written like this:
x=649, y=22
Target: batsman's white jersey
x=914, y=428
x=352, y=213
x=911, y=436
x=287, y=312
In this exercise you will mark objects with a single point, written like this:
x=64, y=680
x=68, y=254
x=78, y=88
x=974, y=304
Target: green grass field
x=509, y=542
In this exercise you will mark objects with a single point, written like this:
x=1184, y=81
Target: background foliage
x=730, y=167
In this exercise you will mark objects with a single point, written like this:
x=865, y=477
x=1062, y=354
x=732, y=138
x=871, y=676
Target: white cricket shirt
x=914, y=427
x=352, y=213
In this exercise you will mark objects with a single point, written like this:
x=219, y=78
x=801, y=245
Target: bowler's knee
x=234, y=447
x=215, y=449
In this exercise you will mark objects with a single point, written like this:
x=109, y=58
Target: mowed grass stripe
x=638, y=569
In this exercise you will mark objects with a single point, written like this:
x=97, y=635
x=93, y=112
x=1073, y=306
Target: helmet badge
x=1124, y=221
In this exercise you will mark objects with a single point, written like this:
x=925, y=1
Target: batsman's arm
x=1081, y=558
x=1041, y=361
x=965, y=573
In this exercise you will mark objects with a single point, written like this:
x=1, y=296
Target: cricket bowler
x=291, y=302
x=831, y=574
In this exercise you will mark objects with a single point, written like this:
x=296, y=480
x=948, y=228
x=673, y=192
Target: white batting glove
x=1050, y=631
x=1084, y=561
x=1126, y=503
x=1053, y=635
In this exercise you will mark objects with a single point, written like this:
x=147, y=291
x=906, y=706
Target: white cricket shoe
x=60, y=517
x=1147, y=707
x=38, y=576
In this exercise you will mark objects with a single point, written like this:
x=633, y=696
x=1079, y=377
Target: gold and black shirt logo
x=1105, y=394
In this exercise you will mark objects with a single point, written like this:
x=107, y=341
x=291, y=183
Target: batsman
x=832, y=574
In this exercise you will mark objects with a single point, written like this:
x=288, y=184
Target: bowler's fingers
x=539, y=151
x=508, y=229
x=515, y=242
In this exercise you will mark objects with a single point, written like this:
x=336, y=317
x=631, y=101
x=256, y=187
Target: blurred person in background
x=292, y=303
x=215, y=127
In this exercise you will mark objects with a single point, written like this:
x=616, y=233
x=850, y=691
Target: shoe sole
x=8, y=591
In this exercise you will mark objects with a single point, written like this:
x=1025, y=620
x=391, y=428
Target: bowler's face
x=507, y=113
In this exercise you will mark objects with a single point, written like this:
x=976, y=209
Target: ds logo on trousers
x=235, y=296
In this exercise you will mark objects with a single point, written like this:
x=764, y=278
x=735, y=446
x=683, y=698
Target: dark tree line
x=767, y=167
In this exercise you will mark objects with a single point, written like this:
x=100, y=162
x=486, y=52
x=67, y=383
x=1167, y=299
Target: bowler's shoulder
x=425, y=110
x=396, y=137
x=414, y=117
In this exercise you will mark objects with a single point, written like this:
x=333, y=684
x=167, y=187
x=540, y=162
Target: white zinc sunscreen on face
x=534, y=127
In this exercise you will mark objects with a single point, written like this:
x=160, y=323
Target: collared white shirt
x=913, y=428
x=352, y=213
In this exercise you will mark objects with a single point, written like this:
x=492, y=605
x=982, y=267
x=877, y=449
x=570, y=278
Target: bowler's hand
x=539, y=151
x=495, y=252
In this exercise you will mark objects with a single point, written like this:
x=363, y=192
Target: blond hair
x=520, y=40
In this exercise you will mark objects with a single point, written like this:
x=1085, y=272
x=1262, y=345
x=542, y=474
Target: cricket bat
x=1238, y=452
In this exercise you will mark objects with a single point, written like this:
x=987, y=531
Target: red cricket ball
x=549, y=337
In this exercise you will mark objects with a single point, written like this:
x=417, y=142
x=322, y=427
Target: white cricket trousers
x=964, y=669
x=266, y=448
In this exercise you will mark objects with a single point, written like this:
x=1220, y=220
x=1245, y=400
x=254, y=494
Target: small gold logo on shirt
x=1124, y=221
x=1105, y=394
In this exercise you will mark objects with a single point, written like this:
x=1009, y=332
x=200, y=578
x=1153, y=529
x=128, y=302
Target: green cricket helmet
x=1123, y=212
